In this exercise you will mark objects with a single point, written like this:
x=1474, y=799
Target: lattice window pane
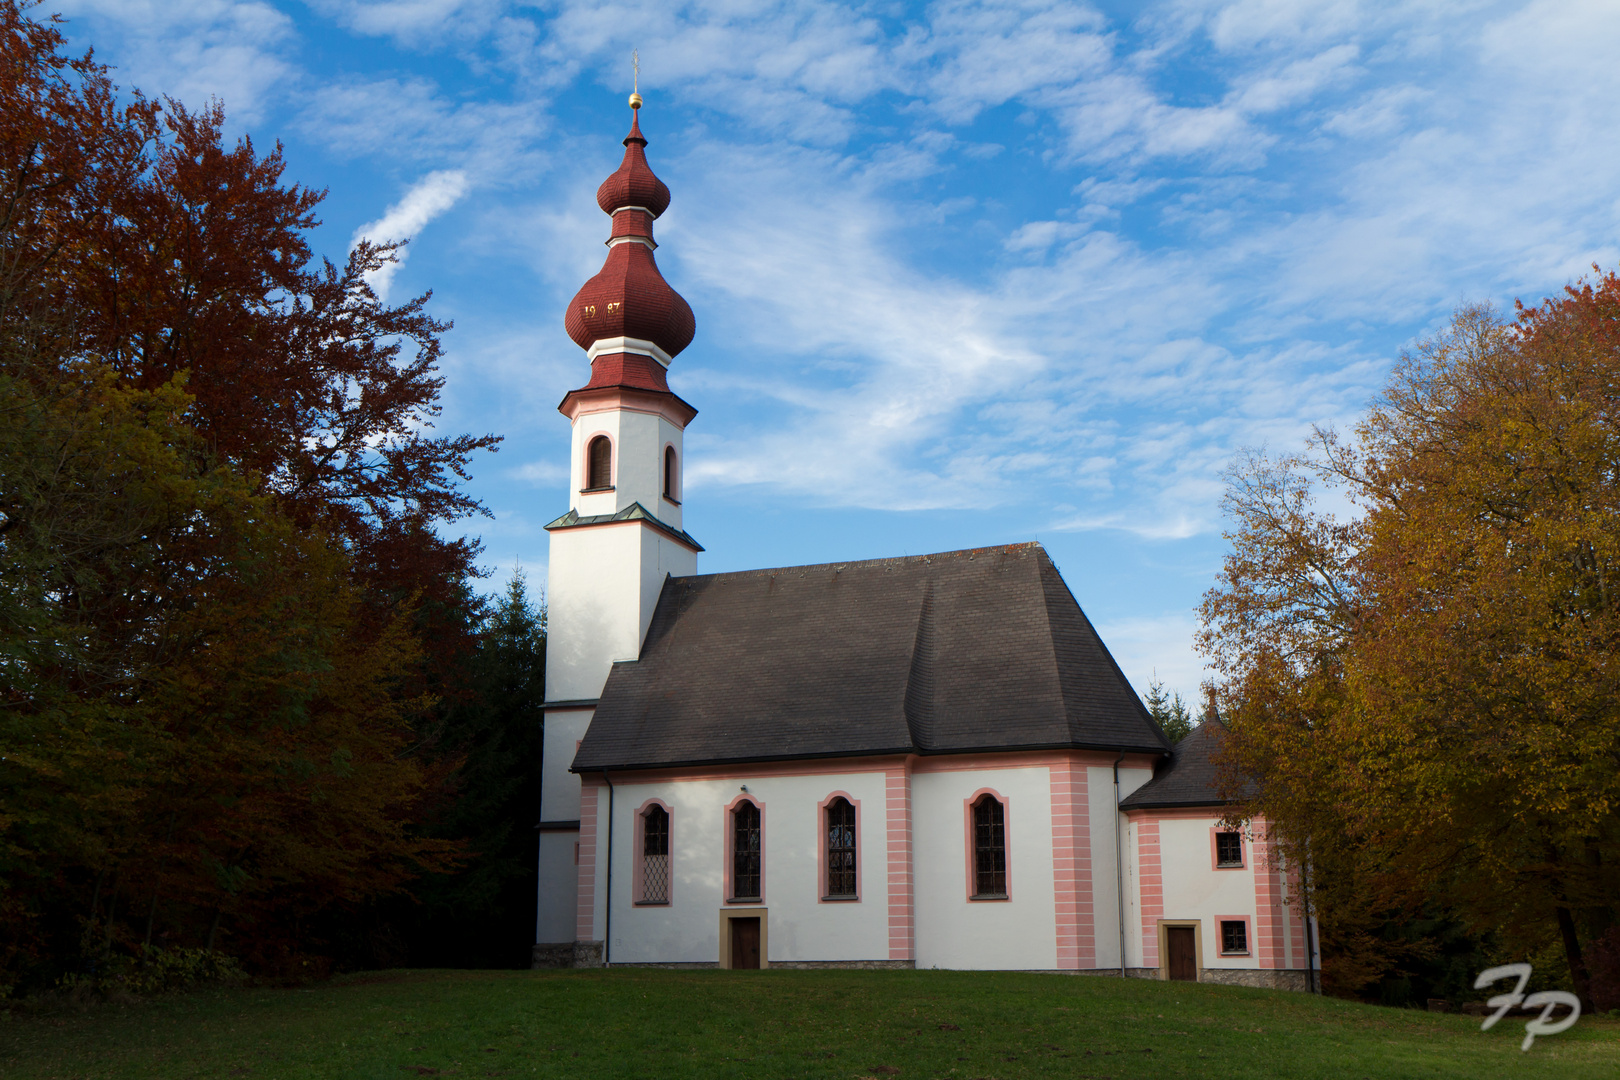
x=655, y=879
x=1228, y=849
x=1234, y=937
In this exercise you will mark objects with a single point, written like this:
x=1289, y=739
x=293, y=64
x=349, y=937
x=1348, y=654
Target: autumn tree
x=1424, y=684
x=229, y=626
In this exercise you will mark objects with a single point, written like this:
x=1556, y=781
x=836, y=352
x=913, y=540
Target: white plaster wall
x=953, y=931
x=639, y=439
x=1107, y=832
x=1193, y=889
x=602, y=585
x=558, y=885
x=559, y=788
x=800, y=926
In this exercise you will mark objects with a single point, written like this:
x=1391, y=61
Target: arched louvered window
x=655, y=856
x=745, y=852
x=599, y=464
x=669, y=473
x=840, y=848
x=989, y=848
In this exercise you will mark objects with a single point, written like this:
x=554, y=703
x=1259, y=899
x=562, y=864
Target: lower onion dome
x=629, y=298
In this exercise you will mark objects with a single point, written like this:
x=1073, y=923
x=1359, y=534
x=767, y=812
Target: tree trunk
x=213, y=929
x=1577, y=963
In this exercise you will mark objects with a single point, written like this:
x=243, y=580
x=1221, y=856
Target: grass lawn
x=639, y=1024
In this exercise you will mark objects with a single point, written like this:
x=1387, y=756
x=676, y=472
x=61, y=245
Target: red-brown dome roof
x=634, y=184
x=630, y=298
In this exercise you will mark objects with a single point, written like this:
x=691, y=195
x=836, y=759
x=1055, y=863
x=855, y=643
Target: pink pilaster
x=902, y=931
x=1071, y=866
x=1150, y=884
x=585, y=920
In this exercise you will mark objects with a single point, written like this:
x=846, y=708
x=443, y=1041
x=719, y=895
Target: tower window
x=599, y=464
x=669, y=473
x=989, y=848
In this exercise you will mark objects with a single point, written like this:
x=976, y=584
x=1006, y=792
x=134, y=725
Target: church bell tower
x=622, y=534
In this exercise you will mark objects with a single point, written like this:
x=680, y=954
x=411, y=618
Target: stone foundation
x=1264, y=978
x=851, y=965
x=587, y=954
x=552, y=955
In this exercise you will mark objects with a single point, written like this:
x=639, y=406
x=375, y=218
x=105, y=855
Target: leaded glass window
x=840, y=848
x=989, y=848
x=655, y=856
x=745, y=852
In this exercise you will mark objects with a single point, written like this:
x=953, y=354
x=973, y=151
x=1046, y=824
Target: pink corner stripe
x=1071, y=861
x=902, y=939
x=585, y=922
x=1152, y=889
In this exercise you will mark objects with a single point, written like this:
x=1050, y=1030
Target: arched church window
x=840, y=848
x=989, y=848
x=669, y=473
x=745, y=852
x=655, y=856
x=599, y=464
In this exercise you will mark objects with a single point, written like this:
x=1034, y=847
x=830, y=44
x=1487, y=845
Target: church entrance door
x=745, y=943
x=1183, y=950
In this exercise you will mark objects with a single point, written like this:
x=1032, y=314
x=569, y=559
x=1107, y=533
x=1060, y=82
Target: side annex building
x=928, y=761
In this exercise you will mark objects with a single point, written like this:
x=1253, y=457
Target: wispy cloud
x=427, y=199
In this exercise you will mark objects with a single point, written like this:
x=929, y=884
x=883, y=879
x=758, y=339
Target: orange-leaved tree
x=1425, y=685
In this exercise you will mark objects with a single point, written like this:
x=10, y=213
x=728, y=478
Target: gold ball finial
x=635, y=101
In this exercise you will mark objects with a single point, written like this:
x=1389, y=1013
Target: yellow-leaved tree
x=1424, y=686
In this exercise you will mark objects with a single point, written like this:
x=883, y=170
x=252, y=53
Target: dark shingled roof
x=1187, y=777
x=967, y=650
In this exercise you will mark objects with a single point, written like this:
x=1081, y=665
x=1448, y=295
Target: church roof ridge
x=1022, y=547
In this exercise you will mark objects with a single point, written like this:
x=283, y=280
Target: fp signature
x=1549, y=998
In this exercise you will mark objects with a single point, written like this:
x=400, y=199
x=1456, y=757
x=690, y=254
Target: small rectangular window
x=1228, y=849
x=1234, y=936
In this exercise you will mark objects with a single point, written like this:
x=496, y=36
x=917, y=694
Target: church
x=927, y=761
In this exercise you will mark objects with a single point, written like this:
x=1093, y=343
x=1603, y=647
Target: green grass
x=631, y=1024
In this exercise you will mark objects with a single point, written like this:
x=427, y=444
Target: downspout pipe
x=607, y=928
x=1119, y=867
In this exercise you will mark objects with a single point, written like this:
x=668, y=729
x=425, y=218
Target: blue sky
x=964, y=273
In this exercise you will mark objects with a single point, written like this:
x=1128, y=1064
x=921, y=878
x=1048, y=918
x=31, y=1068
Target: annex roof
x=981, y=650
x=1188, y=777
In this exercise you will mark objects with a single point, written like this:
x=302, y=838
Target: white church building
x=927, y=761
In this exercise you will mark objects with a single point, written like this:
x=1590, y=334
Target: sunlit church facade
x=927, y=761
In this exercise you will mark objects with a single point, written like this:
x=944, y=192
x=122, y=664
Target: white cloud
x=427, y=199
x=194, y=50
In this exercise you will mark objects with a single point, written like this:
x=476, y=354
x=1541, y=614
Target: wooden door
x=745, y=943
x=1183, y=949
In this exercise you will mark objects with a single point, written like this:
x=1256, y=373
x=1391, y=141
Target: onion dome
x=634, y=184
x=627, y=317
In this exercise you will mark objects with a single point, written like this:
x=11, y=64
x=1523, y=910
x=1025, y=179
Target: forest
x=254, y=710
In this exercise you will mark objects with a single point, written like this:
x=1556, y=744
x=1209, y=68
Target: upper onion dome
x=628, y=305
x=634, y=184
